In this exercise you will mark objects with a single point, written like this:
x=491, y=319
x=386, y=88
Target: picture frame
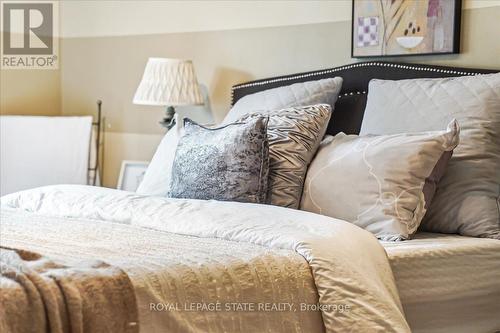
x=415, y=28
x=131, y=175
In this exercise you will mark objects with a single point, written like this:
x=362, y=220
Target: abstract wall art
x=405, y=27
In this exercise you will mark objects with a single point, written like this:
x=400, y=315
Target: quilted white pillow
x=323, y=91
x=467, y=200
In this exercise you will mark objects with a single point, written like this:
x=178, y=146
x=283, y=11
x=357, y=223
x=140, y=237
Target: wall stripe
x=155, y=17
x=125, y=18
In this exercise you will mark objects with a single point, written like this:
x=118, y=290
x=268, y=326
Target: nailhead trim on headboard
x=333, y=70
x=353, y=93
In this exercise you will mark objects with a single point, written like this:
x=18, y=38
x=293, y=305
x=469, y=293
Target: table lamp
x=170, y=83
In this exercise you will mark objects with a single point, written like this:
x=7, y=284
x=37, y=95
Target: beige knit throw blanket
x=39, y=295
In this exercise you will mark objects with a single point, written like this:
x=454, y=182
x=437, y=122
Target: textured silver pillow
x=228, y=163
x=383, y=184
x=467, y=200
x=294, y=136
x=323, y=91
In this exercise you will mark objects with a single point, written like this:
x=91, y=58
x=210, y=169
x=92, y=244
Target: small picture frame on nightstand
x=131, y=175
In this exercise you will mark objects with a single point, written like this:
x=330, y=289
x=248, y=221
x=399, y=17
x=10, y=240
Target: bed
x=445, y=282
x=448, y=282
x=108, y=260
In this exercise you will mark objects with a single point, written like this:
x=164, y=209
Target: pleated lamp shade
x=169, y=82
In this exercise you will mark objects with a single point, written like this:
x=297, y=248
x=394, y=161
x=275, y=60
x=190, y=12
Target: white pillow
x=324, y=91
x=157, y=177
x=467, y=200
x=383, y=184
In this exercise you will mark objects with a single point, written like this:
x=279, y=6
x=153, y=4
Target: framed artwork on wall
x=405, y=27
x=131, y=175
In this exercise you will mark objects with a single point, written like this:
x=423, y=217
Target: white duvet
x=348, y=265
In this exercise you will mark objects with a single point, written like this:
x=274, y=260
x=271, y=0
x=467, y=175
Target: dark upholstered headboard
x=350, y=106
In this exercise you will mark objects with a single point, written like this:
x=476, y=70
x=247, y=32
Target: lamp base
x=169, y=121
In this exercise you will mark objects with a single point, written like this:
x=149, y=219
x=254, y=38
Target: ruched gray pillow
x=229, y=163
x=294, y=136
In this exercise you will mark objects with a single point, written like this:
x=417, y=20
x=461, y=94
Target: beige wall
x=154, y=17
x=230, y=42
x=30, y=92
x=110, y=68
x=90, y=18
